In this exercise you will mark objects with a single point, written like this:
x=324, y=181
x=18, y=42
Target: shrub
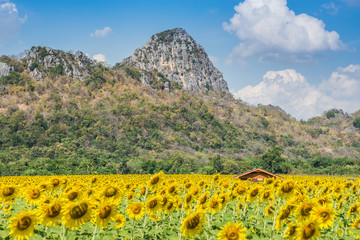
x=356, y=122
x=33, y=66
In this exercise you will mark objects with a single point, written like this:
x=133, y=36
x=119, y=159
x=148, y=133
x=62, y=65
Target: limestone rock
x=42, y=60
x=176, y=55
x=4, y=69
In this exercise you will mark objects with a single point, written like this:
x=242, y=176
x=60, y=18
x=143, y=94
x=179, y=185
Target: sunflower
x=170, y=207
x=135, y=210
x=110, y=193
x=172, y=189
x=214, y=205
x=266, y=195
x=120, y=221
x=8, y=193
x=305, y=209
x=156, y=180
x=325, y=214
x=51, y=213
x=309, y=230
x=354, y=209
x=33, y=195
x=104, y=213
x=153, y=205
x=253, y=194
x=23, y=224
x=192, y=224
x=286, y=189
x=202, y=200
x=283, y=216
x=77, y=214
x=356, y=224
x=232, y=231
x=291, y=232
x=269, y=211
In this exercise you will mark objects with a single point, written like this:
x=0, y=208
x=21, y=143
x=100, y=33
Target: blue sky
x=300, y=55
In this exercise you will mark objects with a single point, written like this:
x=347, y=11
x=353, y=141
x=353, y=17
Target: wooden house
x=257, y=175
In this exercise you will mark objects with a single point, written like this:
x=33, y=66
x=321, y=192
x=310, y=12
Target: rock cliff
x=42, y=61
x=176, y=56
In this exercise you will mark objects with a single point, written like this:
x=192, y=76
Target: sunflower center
x=357, y=225
x=24, y=223
x=110, y=191
x=292, y=230
x=232, y=234
x=78, y=211
x=34, y=194
x=309, y=231
x=266, y=194
x=305, y=210
x=193, y=222
x=287, y=187
x=203, y=199
x=135, y=209
x=240, y=190
x=154, y=180
x=254, y=192
x=353, y=209
x=170, y=205
x=188, y=198
x=171, y=189
x=153, y=203
x=54, y=210
x=214, y=204
x=72, y=195
x=285, y=213
x=8, y=191
x=119, y=220
x=325, y=215
x=105, y=211
x=270, y=210
x=222, y=199
x=55, y=182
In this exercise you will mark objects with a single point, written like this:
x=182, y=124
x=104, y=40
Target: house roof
x=257, y=170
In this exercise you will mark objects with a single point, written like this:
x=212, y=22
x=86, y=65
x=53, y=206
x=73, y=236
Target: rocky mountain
x=43, y=60
x=64, y=113
x=176, y=56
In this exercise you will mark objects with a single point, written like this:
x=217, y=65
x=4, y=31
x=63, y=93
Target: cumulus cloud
x=270, y=27
x=100, y=58
x=292, y=92
x=101, y=32
x=10, y=21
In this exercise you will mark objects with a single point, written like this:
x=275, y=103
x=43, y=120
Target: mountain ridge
x=110, y=121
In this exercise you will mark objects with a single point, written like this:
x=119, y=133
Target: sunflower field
x=178, y=207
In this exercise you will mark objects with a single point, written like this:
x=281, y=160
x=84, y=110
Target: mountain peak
x=176, y=56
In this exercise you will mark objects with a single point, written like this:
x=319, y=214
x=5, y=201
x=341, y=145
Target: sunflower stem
x=94, y=233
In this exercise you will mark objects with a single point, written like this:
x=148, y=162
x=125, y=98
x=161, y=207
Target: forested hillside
x=62, y=113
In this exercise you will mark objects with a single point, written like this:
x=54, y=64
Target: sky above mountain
x=300, y=55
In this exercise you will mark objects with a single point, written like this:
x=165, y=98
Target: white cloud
x=292, y=92
x=331, y=8
x=270, y=27
x=101, y=32
x=100, y=58
x=10, y=22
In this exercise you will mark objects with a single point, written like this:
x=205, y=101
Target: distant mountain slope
x=82, y=117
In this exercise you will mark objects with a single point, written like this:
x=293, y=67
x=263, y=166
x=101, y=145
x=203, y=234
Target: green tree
x=356, y=122
x=273, y=162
